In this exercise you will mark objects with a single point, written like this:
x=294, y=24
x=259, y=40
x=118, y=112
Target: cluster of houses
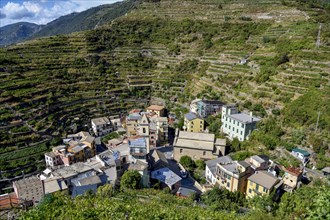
x=235, y=124
x=256, y=175
x=76, y=166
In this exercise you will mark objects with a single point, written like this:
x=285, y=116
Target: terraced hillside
x=261, y=54
x=50, y=87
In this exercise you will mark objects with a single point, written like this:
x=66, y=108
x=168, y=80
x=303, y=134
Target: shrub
x=187, y=162
x=130, y=180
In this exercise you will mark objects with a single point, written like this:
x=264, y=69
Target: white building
x=211, y=167
x=104, y=125
x=301, y=154
x=237, y=125
x=52, y=159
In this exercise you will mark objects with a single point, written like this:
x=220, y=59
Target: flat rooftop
x=244, y=118
x=100, y=121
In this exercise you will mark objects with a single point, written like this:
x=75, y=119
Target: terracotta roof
x=293, y=170
x=134, y=111
x=8, y=200
x=155, y=107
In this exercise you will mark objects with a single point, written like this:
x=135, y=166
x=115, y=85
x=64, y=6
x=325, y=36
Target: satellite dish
x=184, y=127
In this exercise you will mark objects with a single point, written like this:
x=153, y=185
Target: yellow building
x=192, y=123
x=132, y=123
x=260, y=183
x=233, y=175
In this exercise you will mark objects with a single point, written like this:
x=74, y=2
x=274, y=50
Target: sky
x=42, y=11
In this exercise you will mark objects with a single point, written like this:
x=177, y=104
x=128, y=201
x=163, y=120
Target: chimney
x=251, y=115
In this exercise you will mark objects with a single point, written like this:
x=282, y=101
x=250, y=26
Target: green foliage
x=241, y=155
x=313, y=102
x=131, y=179
x=245, y=18
x=320, y=208
x=188, y=66
x=222, y=199
x=110, y=136
x=187, y=162
x=263, y=203
x=267, y=39
x=289, y=161
x=200, y=164
x=214, y=124
x=235, y=145
x=301, y=203
x=269, y=133
x=141, y=204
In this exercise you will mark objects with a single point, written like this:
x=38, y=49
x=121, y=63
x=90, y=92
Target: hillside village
x=146, y=142
x=177, y=109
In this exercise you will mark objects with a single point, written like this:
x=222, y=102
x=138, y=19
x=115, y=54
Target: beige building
x=260, y=183
x=29, y=189
x=132, y=123
x=157, y=109
x=161, y=124
x=258, y=162
x=233, y=175
x=197, y=145
x=148, y=125
x=291, y=178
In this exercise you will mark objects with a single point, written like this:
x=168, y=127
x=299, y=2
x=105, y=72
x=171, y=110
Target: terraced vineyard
x=170, y=48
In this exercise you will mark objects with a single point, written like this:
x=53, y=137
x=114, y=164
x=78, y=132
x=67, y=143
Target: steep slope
x=17, y=32
x=86, y=20
x=165, y=49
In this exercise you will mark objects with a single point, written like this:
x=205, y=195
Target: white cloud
x=19, y=11
x=44, y=11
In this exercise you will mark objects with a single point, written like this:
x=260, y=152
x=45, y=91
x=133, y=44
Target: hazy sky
x=43, y=11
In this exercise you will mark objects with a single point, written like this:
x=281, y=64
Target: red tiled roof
x=293, y=170
x=8, y=201
x=135, y=111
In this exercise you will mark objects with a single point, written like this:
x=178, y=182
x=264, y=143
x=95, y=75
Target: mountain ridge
x=76, y=21
x=17, y=32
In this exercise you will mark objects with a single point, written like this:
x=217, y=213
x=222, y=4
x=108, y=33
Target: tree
x=263, y=203
x=130, y=180
x=105, y=191
x=320, y=208
x=223, y=199
x=235, y=145
x=200, y=164
x=187, y=162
